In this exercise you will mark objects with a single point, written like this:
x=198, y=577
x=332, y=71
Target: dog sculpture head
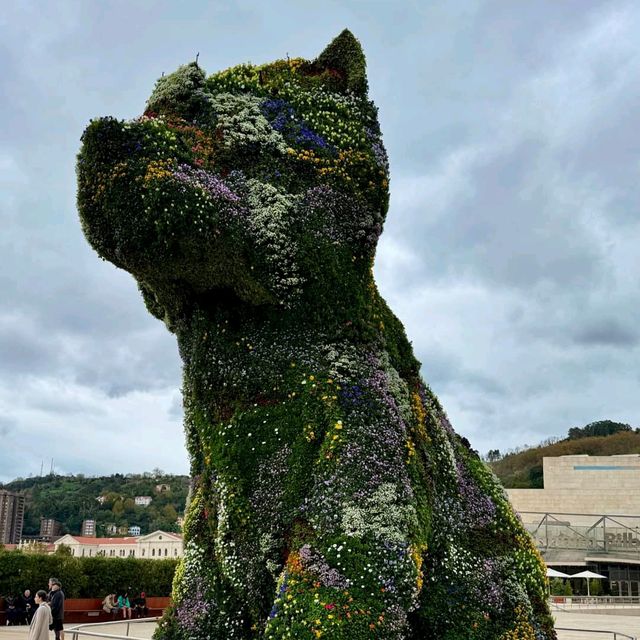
x=264, y=184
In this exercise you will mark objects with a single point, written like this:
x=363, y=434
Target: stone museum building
x=587, y=515
x=154, y=546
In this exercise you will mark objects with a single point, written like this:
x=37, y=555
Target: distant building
x=143, y=501
x=101, y=499
x=154, y=546
x=587, y=517
x=88, y=528
x=49, y=529
x=111, y=528
x=134, y=530
x=33, y=546
x=180, y=522
x=162, y=488
x=11, y=517
x=582, y=484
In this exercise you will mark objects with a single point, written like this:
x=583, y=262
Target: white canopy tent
x=588, y=575
x=552, y=573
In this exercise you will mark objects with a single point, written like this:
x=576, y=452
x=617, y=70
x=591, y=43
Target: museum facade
x=587, y=516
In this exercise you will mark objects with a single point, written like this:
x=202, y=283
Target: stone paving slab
x=580, y=620
x=138, y=630
x=628, y=624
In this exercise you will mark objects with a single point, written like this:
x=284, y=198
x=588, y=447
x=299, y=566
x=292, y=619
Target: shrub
x=84, y=577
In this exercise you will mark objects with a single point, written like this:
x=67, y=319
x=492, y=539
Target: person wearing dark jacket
x=13, y=612
x=56, y=602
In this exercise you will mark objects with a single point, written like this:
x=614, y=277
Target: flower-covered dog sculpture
x=330, y=496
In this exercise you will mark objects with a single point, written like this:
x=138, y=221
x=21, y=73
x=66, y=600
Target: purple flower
x=206, y=181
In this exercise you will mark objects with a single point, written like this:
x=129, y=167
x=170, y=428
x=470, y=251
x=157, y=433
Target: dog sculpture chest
x=330, y=496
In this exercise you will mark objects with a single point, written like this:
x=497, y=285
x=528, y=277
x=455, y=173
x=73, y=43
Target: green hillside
x=524, y=469
x=72, y=499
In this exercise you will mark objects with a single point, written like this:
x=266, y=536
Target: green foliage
x=345, y=54
x=331, y=497
x=556, y=586
x=599, y=428
x=595, y=587
x=72, y=499
x=523, y=469
x=180, y=92
x=83, y=577
x=568, y=591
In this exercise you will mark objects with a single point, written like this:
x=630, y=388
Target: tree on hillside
x=599, y=428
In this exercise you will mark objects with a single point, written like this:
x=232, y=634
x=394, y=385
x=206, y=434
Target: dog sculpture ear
x=345, y=56
x=181, y=93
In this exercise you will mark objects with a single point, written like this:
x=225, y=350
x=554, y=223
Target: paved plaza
x=629, y=624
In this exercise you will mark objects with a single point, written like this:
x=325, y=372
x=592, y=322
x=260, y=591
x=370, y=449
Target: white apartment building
x=154, y=546
x=143, y=501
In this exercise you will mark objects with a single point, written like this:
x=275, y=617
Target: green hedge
x=84, y=577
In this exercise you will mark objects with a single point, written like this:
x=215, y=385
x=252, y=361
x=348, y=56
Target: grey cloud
x=24, y=349
x=513, y=135
x=6, y=426
x=446, y=370
x=608, y=332
x=176, y=410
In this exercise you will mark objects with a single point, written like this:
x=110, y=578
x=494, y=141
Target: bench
x=83, y=610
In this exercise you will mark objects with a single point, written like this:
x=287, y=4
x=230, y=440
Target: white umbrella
x=588, y=575
x=552, y=573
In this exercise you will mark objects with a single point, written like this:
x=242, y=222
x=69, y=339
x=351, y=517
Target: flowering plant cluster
x=330, y=496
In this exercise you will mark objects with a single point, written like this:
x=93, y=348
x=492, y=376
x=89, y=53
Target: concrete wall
x=584, y=484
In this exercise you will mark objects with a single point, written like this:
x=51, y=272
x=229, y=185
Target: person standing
x=56, y=602
x=42, y=618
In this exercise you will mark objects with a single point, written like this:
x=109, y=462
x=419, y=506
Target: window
x=175, y=552
x=153, y=552
x=143, y=552
x=83, y=553
x=166, y=551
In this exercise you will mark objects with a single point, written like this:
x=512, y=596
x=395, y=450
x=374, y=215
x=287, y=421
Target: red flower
x=329, y=606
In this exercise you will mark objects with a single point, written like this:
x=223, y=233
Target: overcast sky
x=511, y=249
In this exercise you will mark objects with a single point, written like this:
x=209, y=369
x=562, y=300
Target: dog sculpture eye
x=331, y=498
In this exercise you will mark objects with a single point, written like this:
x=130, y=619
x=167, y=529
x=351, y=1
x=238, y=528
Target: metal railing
x=595, y=602
x=616, y=634
x=595, y=533
x=78, y=630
